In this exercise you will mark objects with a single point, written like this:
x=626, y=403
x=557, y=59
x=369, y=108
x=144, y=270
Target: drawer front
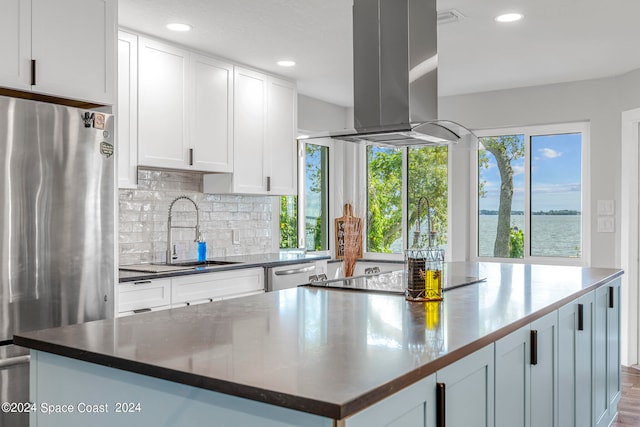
x=216, y=285
x=143, y=294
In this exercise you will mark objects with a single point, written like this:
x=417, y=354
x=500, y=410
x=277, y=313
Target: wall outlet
x=235, y=237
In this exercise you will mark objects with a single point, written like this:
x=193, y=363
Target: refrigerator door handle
x=11, y=361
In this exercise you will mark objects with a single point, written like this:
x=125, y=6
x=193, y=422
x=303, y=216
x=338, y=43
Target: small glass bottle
x=202, y=249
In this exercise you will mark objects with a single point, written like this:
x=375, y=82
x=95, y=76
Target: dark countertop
x=322, y=351
x=239, y=261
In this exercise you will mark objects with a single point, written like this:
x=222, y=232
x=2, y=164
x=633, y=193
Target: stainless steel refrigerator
x=57, y=214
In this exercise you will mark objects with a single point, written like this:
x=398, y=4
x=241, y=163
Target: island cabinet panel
x=411, y=407
x=606, y=375
x=575, y=349
x=467, y=387
x=526, y=360
x=544, y=371
x=513, y=405
x=124, y=398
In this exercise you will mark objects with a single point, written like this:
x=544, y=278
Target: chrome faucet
x=171, y=255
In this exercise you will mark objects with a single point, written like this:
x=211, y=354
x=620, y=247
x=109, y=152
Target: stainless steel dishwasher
x=293, y=275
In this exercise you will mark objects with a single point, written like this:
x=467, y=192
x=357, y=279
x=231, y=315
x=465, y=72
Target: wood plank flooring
x=629, y=406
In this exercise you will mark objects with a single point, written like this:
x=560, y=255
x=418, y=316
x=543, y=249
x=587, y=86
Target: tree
x=504, y=149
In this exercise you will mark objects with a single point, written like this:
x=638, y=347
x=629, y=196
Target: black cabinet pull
x=33, y=72
x=580, y=317
x=610, y=296
x=268, y=183
x=440, y=405
x=141, y=310
x=534, y=347
x=190, y=156
x=143, y=282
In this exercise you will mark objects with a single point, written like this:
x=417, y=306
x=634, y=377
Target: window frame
x=362, y=186
x=302, y=143
x=528, y=132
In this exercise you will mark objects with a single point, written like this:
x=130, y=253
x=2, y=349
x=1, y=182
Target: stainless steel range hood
x=396, y=76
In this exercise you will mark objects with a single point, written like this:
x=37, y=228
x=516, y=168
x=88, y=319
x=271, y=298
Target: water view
x=551, y=235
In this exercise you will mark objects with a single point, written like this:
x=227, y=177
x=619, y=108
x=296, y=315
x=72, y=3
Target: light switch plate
x=235, y=237
x=606, y=224
x=606, y=207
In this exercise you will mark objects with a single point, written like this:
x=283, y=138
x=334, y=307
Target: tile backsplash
x=143, y=214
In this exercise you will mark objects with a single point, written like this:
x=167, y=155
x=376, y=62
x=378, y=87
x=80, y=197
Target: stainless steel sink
x=209, y=262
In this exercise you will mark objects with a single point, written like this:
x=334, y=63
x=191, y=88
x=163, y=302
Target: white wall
x=599, y=101
x=319, y=116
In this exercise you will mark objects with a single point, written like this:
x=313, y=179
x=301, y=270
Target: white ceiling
x=558, y=40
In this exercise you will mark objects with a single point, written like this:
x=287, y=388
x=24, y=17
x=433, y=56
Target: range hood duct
x=395, y=59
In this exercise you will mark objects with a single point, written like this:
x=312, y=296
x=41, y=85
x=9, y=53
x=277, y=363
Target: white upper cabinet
x=63, y=48
x=281, y=155
x=127, y=110
x=265, y=123
x=211, y=116
x=250, y=124
x=162, y=102
x=185, y=116
x=15, y=44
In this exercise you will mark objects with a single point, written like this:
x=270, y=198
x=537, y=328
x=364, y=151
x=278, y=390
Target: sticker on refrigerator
x=87, y=118
x=98, y=121
x=106, y=149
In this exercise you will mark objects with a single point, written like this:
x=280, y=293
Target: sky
x=555, y=175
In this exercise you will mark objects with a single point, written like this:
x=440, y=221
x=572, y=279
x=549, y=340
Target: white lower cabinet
x=142, y=296
x=202, y=288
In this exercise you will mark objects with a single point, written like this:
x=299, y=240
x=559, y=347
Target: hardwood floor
x=629, y=406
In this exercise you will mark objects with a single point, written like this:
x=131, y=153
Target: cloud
x=550, y=153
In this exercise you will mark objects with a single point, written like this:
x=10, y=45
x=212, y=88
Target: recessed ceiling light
x=286, y=63
x=175, y=26
x=509, y=17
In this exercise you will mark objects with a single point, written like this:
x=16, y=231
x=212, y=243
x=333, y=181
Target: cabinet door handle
x=190, y=156
x=440, y=405
x=268, y=183
x=141, y=310
x=610, y=296
x=534, y=347
x=580, y=317
x=33, y=72
x=144, y=282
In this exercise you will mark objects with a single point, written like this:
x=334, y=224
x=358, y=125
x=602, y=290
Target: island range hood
x=396, y=76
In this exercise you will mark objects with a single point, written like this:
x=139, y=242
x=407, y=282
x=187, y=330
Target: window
x=304, y=218
x=421, y=172
x=531, y=193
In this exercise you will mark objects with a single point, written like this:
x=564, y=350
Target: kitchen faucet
x=431, y=232
x=172, y=255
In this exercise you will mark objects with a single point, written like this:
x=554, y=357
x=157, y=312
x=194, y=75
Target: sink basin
x=209, y=262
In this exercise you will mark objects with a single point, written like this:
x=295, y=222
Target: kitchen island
x=325, y=357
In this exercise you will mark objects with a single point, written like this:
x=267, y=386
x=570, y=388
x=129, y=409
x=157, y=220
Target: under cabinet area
x=193, y=289
x=64, y=48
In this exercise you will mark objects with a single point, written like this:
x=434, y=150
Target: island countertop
x=322, y=351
